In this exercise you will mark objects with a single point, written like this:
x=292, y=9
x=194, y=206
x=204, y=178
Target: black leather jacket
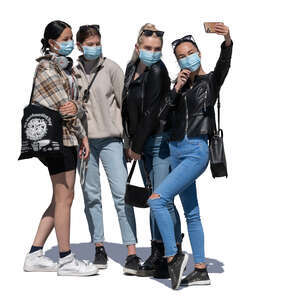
x=142, y=101
x=192, y=109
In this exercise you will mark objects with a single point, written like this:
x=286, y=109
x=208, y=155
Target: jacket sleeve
x=51, y=93
x=222, y=67
x=150, y=117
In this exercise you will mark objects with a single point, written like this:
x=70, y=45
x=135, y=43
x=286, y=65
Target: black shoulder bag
x=135, y=195
x=218, y=164
x=42, y=133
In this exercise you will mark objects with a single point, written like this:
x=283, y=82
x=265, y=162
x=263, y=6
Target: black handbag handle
x=86, y=93
x=219, y=130
x=148, y=181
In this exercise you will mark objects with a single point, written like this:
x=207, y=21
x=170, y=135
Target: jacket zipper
x=186, y=115
x=205, y=98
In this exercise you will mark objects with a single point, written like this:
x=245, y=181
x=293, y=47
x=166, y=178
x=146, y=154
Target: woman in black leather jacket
x=146, y=85
x=192, y=107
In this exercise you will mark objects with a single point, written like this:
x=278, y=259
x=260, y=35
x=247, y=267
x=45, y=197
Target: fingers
x=87, y=153
x=68, y=108
x=185, y=73
x=221, y=29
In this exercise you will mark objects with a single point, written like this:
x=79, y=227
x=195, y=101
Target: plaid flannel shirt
x=52, y=89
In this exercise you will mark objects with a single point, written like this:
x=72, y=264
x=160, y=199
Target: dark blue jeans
x=189, y=159
x=157, y=163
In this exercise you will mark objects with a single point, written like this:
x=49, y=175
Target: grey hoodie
x=103, y=109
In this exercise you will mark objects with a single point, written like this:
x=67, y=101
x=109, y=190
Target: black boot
x=149, y=266
x=161, y=270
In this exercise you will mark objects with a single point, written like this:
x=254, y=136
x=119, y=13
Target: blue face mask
x=66, y=47
x=149, y=57
x=91, y=53
x=191, y=62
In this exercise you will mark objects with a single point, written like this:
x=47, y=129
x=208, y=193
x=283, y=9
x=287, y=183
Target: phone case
x=210, y=27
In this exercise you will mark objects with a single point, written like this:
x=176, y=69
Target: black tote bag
x=135, y=195
x=42, y=133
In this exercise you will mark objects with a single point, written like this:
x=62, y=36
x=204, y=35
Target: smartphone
x=210, y=27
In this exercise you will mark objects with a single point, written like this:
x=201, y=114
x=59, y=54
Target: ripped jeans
x=189, y=159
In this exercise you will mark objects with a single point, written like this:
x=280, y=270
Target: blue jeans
x=189, y=159
x=157, y=163
x=110, y=151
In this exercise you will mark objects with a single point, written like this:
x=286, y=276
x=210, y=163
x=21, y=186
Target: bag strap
x=218, y=106
x=148, y=181
x=219, y=130
x=86, y=93
x=33, y=85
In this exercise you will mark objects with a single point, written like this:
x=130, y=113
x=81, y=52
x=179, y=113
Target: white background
x=251, y=219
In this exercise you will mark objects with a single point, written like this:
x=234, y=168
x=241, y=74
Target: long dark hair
x=52, y=31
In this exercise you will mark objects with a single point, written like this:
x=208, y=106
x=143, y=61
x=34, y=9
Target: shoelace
x=138, y=259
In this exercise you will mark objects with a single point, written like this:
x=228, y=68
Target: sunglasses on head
x=85, y=27
x=186, y=38
x=148, y=32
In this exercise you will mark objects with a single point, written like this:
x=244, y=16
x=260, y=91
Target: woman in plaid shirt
x=56, y=88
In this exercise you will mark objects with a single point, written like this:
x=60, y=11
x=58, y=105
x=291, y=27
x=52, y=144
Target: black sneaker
x=100, y=258
x=161, y=269
x=176, y=268
x=197, y=277
x=132, y=265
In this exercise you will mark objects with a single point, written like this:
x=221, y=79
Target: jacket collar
x=49, y=56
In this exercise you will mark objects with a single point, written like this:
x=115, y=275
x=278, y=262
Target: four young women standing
x=165, y=146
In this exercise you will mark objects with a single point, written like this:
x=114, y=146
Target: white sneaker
x=71, y=266
x=38, y=262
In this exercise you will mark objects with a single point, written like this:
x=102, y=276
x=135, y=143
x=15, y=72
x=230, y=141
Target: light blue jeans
x=110, y=151
x=189, y=159
x=157, y=163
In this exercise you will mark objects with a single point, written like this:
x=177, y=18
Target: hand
x=84, y=145
x=222, y=29
x=127, y=157
x=133, y=155
x=68, y=109
x=183, y=76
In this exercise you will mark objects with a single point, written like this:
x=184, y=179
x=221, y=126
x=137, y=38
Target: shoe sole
x=184, y=263
x=142, y=273
x=101, y=266
x=129, y=271
x=29, y=269
x=202, y=282
x=67, y=273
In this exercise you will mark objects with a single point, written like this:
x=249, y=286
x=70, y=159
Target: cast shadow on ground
x=118, y=252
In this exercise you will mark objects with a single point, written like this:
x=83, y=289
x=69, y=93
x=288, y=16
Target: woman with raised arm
x=192, y=101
